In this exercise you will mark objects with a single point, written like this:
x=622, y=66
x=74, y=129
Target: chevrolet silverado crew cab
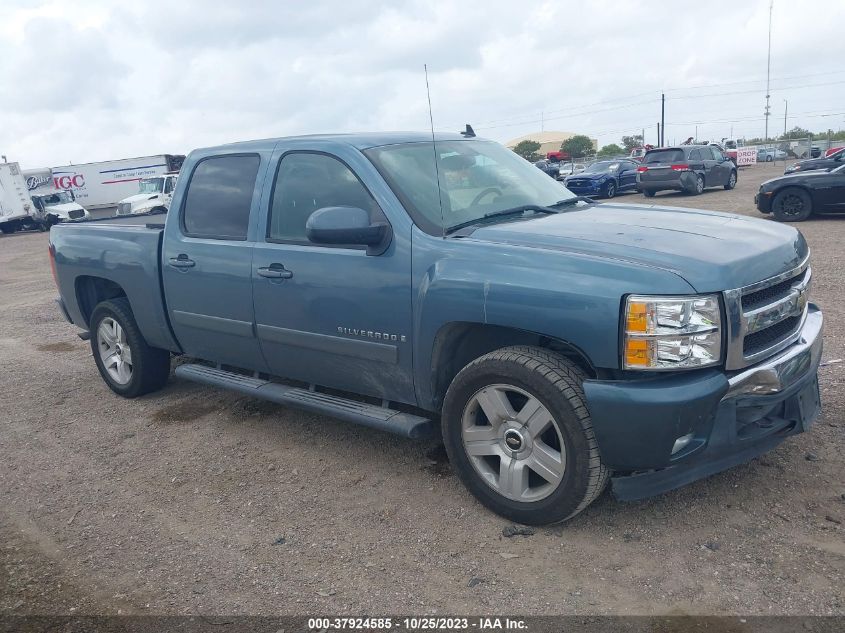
x=404, y=282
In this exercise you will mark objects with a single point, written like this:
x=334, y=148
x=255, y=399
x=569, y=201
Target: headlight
x=671, y=332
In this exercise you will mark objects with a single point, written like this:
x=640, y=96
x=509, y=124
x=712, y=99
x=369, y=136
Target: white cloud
x=91, y=80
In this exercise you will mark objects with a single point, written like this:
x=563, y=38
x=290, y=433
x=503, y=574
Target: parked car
x=567, y=169
x=560, y=343
x=768, y=154
x=796, y=197
x=604, y=178
x=548, y=167
x=832, y=150
x=826, y=162
x=815, y=151
x=637, y=153
x=689, y=168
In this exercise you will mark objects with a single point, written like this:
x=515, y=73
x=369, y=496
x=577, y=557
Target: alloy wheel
x=114, y=349
x=513, y=442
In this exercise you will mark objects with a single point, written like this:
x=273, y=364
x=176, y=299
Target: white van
x=154, y=196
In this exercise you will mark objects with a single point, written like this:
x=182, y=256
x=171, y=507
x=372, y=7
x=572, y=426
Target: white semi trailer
x=101, y=185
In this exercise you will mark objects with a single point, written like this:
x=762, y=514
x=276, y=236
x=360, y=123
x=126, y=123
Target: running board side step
x=384, y=419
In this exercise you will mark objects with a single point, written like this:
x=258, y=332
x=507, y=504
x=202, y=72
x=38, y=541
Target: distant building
x=549, y=141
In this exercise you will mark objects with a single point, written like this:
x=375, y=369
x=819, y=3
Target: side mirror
x=348, y=225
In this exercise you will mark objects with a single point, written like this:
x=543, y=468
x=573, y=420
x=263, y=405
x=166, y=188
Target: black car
x=689, y=168
x=827, y=162
x=795, y=197
x=551, y=168
x=604, y=178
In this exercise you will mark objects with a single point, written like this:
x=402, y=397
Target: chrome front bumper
x=783, y=370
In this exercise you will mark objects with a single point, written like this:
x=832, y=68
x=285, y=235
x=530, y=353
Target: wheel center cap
x=513, y=440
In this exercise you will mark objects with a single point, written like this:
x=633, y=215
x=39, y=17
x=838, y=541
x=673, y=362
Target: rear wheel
x=792, y=205
x=648, y=193
x=127, y=364
x=731, y=181
x=610, y=189
x=518, y=433
x=698, y=186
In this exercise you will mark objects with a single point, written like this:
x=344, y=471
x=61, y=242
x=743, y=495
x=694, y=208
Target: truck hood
x=711, y=251
x=140, y=197
x=63, y=209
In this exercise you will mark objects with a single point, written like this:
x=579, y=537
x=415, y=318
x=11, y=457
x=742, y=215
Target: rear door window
x=219, y=197
x=667, y=156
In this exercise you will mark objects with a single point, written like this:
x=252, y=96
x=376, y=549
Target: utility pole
x=785, y=110
x=768, y=69
x=662, y=117
x=658, y=134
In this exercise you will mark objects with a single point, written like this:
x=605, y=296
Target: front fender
x=572, y=297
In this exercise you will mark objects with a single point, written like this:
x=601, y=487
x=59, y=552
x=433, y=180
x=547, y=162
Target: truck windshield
x=151, y=185
x=477, y=180
x=60, y=197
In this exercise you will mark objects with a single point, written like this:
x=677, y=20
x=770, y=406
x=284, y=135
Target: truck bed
x=122, y=256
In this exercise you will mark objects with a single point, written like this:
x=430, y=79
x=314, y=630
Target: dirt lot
x=195, y=500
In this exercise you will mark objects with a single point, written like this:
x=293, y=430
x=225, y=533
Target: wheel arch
x=91, y=290
x=456, y=344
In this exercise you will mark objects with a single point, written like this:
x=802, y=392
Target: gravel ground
x=195, y=500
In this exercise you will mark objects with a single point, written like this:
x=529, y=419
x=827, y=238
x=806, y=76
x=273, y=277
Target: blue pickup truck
x=406, y=283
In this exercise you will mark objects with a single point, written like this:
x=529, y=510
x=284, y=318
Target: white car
x=154, y=196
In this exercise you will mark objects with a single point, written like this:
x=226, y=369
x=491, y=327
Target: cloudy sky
x=87, y=81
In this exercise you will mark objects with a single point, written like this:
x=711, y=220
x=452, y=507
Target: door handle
x=275, y=271
x=182, y=261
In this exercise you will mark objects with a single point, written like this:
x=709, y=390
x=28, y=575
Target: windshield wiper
x=501, y=214
x=570, y=201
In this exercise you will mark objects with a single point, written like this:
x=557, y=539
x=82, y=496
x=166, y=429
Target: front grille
x=765, y=296
x=769, y=316
x=75, y=214
x=124, y=208
x=764, y=339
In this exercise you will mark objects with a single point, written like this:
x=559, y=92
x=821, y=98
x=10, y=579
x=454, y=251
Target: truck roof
x=361, y=140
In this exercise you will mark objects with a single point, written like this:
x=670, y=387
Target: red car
x=833, y=150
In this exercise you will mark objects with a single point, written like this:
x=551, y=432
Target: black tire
x=556, y=383
x=150, y=365
x=768, y=158
x=731, y=180
x=792, y=205
x=698, y=187
x=648, y=193
x=158, y=210
x=610, y=189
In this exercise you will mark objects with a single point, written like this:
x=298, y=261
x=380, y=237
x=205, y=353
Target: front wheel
x=519, y=436
x=127, y=364
x=610, y=189
x=792, y=205
x=731, y=181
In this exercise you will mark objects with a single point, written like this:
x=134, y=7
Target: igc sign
x=77, y=181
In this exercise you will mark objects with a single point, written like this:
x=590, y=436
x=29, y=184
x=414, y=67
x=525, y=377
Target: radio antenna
x=434, y=149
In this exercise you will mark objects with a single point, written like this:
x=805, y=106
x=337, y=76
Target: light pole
x=768, y=69
x=785, y=110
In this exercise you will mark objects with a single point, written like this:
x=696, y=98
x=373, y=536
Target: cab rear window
x=664, y=156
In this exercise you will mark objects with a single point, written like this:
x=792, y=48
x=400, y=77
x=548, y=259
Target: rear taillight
x=52, y=251
x=680, y=167
x=642, y=168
